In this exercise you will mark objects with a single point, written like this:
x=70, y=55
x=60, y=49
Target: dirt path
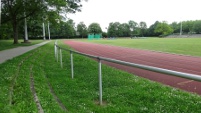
x=174, y=62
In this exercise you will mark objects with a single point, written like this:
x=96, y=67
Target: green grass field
x=8, y=44
x=122, y=92
x=187, y=46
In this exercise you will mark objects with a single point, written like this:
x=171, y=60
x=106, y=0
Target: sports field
x=38, y=73
x=175, y=62
x=187, y=46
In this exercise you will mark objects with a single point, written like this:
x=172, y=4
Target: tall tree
x=152, y=28
x=114, y=29
x=197, y=26
x=175, y=26
x=111, y=30
x=125, y=29
x=163, y=28
x=82, y=29
x=143, y=27
x=13, y=10
x=188, y=26
x=94, y=28
x=133, y=27
x=63, y=29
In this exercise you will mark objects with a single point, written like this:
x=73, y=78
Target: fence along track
x=145, y=67
x=140, y=66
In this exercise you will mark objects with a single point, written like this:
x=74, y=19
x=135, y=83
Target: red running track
x=182, y=63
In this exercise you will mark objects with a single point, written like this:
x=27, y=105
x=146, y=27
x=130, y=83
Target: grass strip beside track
x=122, y=92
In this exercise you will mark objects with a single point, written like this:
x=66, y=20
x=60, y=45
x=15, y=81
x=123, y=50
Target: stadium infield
x=181, y=63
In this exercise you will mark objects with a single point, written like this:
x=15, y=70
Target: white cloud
x=106, y=11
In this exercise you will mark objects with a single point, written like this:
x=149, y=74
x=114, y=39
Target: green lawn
x=122, y=92
x=187, y=46
x=8, y=44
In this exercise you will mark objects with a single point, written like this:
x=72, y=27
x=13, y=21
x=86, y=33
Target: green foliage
x=142, y=27
x=5, y=31
x=132, y=24
x=122, y=92
x=15, y=11
x=104, y=34
x=124, y=30
x=188, y=27
x=133, y=27
x=197, y=26
x=175, y=26
x=113, y=29
x=63, y=29
x=67, y=29
x=94, y=28
x=118, y=29
x=34, y=24
x=152, y=29
x=82, y=29
x=163, y=28
x=43, y=10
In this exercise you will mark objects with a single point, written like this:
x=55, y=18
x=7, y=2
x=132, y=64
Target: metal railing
x=145, y=67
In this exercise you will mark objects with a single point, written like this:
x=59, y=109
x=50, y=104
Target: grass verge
x=186, y=46
x=8, y=44
x=122, y=92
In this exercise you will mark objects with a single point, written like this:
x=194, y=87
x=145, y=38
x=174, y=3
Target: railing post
x=57, y=54
x=71, y=59
x=61, y=58
x=55, y=49
x=100, y=81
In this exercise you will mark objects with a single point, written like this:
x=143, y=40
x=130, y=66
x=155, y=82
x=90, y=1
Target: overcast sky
x=149, y=11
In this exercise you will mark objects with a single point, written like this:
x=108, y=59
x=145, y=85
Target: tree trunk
x=15, y=32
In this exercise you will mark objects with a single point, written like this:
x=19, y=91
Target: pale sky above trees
x=149, y=11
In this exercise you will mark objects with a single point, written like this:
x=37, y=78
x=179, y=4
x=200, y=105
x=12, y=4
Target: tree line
x=53, y=13
x=36, y=13
x=134, y=29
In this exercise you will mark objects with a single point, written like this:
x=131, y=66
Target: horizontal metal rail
x=145, y=67
x=140, y=66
